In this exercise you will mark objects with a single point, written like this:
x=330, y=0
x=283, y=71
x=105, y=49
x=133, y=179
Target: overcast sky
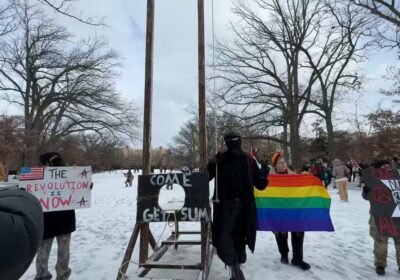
x=175, y=55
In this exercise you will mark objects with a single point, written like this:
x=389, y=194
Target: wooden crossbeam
x=151, y=265
x=187, y=232
x=182, y=242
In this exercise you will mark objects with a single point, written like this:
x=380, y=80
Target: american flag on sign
x=31, y=173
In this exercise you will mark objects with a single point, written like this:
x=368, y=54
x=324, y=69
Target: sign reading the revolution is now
x=58, y=188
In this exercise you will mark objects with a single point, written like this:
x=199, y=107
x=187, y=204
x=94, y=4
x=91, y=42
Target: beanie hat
x=275, y=158
x=52, y=159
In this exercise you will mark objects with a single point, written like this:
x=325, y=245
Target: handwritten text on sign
x=384, y=199
x=58, y=188
x=164, y=197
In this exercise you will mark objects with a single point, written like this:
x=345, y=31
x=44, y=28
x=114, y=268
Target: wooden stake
x=128, y=252
x=147, y=120
x=148, y=88
x=143, y=229
x=202, y=87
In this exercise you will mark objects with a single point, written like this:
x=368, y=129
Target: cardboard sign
x=58, y=188
x=384, y=198
x=164, y=197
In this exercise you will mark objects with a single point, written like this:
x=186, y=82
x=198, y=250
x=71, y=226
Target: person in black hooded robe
x=235, y=213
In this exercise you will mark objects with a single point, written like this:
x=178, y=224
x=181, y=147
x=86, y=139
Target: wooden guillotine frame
x=142, y=229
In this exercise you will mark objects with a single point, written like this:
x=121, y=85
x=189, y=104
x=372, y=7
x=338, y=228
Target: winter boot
x=285, y=259
x=301, y=264
x=380, y=270
x=236, y=272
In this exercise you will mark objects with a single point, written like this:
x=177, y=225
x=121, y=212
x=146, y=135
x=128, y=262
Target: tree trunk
x=285, y=138
x=6, y=169
x=294, y=142
x=330, y=133
x=294, y=115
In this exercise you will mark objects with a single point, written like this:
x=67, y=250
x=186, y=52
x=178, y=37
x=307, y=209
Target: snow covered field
x=103, y=232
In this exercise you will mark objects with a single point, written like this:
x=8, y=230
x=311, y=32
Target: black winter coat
x=21, y=230
x=235, y=166
x=58, y=223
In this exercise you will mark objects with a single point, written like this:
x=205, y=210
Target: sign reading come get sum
x=163, y=197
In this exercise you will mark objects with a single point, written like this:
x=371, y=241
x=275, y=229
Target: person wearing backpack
x=235, y=214
x=341, y=174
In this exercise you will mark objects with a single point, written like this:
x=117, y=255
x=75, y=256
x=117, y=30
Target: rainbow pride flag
x=293, y=203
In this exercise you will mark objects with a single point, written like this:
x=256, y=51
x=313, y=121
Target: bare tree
x=11, y=139
x=263, y=67
x=63, y=87
x=7, y=19
x=387, y=20
x=389, y=10
x=186, y=144
x=65, y=7
x=386, y=126
x=334, y=59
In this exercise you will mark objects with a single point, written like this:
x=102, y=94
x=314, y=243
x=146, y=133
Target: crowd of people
x=234, y=214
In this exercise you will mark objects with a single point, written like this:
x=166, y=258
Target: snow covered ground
x=103, y=232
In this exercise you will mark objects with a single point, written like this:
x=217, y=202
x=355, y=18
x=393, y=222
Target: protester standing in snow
x=317, y=169
x=129, y=178
x=58, y=224
x=380, y=242
x=355, y=171
x=235, y=214
x=279, y=166
x=327, y=174
x=341, y=173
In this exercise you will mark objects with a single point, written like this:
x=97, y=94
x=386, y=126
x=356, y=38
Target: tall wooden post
x=148, y=88
x=202, y=88
x=202, y=118
x=147, y=120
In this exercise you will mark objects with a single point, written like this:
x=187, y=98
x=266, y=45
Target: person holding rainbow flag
x=292, y=203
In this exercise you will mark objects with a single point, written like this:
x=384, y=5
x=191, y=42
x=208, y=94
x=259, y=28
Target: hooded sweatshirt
x=339, y=171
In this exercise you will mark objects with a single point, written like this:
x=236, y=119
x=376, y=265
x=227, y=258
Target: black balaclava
x=233, y=141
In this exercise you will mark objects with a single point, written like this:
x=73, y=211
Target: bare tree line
x=290, y=58
x=63, y=87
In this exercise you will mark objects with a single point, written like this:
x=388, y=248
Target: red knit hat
x=276, y=157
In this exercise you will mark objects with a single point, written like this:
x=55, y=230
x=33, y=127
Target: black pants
x=297, y=244
x=228, y=236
